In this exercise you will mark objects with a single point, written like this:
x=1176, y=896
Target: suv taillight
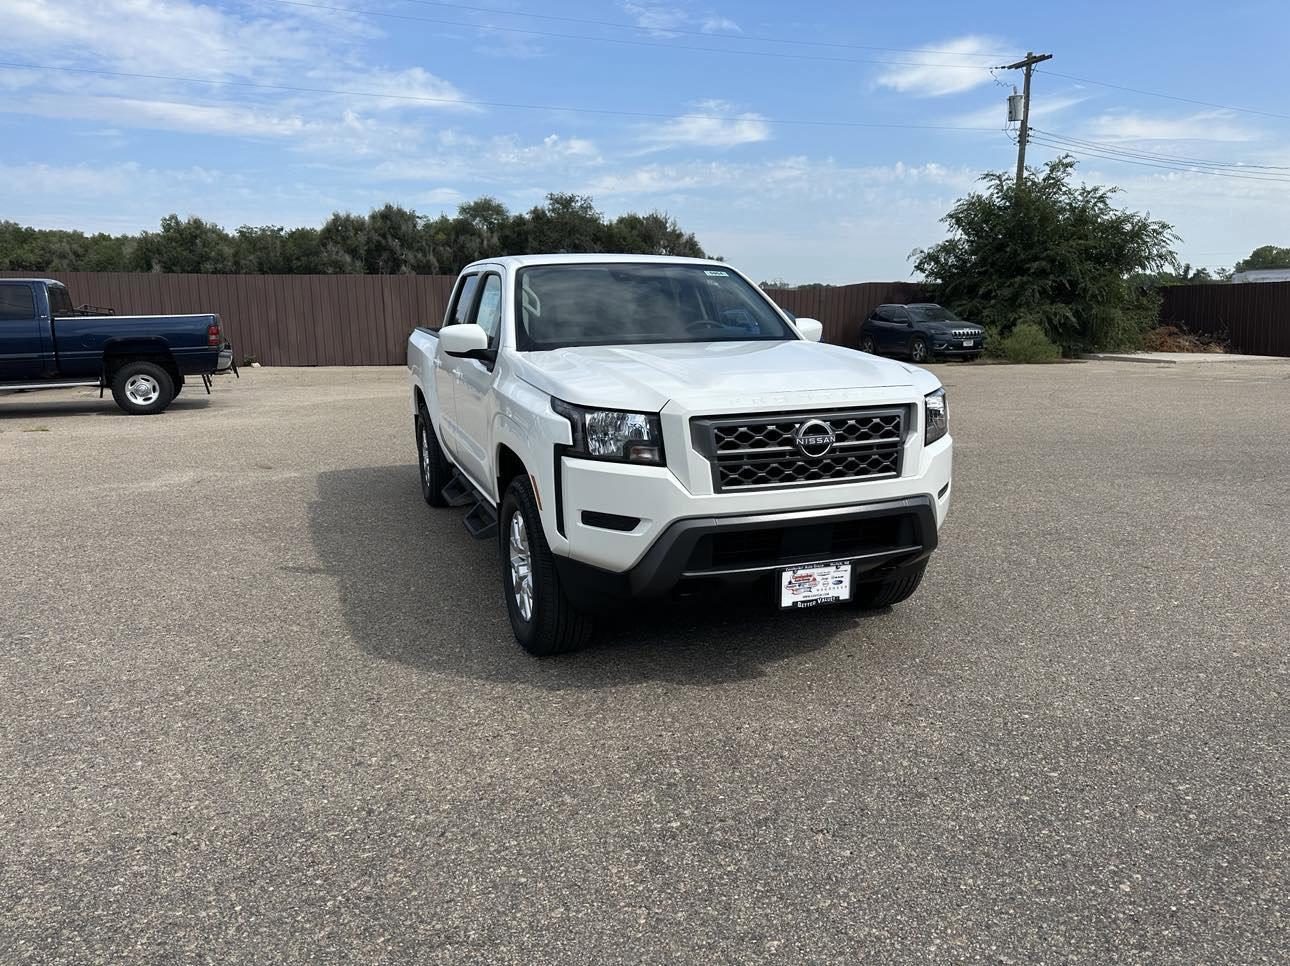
x=212, y=334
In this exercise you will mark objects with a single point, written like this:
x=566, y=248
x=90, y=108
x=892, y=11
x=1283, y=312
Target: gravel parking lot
x=258, y=703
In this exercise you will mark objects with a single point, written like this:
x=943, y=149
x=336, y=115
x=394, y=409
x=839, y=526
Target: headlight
x=607, y=434
x=938, y=417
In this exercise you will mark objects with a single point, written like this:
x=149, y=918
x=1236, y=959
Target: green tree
x=395, y=244
x=1183, y=276
x=1265, y=256
x=566, y=223
x=652, y=234
x=1053, y=253
x=191, y=245
x=342, y=243
x=388, y=240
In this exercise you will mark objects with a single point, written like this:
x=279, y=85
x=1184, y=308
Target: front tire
x=142, y=388
x=435, y=471
x=892, y=590
x=867, y=345
x=919, y=351
x=542, y=617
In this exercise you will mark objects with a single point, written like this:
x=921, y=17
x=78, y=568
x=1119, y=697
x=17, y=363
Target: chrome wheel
x=425, y=454
x=521, y=567
x=866, y=345
x=142, y=390
x=919, y=351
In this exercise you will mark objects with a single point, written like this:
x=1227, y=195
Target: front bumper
x=647, y=500
x=955, y=347
x=875, y=538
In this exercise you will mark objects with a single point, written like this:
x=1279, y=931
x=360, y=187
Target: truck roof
x=519, y=261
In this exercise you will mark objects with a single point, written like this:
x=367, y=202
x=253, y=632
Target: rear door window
x=17, y=302
x=60, y=302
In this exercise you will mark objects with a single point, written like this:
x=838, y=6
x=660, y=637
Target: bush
x=1053, y=253
x=1027, y=343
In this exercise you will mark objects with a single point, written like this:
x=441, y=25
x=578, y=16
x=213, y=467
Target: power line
x=1083, y=152
x=505, y=105
x=1156, y=156
x=695, y=33
x=779, y=55
x=1171, y=97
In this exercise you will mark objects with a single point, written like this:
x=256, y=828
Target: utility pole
x=1028, y=62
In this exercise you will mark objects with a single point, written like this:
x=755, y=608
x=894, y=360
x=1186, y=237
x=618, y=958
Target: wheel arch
x=118, y=352
x=509, y=465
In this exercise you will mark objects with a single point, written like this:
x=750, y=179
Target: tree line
x=390, y=240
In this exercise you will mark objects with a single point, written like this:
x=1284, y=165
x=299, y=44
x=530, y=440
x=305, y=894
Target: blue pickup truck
x=45, y=343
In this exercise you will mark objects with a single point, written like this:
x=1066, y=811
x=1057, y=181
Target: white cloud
x=1202, y=126
x=1041, y=111
x=460, y=156
x=713, y=124
x=799, y=176
x=81, y=179
x=232, y=51
x=441, y=196
x=931, y=73
x=663, y=19
x=165, y=36
x=402, y=89
x=716, y=24
x=657, y=17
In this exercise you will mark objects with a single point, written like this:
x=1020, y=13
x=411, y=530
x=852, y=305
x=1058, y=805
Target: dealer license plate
x=812, y=585
x=968, y=343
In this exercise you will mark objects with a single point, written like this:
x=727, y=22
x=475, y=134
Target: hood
x=948, y=327
x=646, y=377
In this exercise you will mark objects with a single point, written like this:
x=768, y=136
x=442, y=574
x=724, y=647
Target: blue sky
x=704, y=92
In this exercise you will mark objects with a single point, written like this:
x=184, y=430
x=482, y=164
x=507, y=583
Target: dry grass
x=1171, y=338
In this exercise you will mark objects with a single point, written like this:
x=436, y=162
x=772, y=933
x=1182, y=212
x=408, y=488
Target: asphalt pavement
x=260, y=704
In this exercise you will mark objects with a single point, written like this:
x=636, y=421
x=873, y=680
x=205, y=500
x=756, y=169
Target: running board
x=49, y=384
x=459, y=492
x=481, y=521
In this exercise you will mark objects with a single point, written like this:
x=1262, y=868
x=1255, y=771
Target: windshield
x=932, y=313
x=625, y=304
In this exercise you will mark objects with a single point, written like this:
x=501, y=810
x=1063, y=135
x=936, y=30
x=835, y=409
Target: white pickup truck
x=627, y=426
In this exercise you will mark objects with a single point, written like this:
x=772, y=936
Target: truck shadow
x=23, y=406
x=415, y=588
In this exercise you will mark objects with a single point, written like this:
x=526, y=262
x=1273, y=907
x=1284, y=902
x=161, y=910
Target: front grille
x=763, y=451
x=968, y=333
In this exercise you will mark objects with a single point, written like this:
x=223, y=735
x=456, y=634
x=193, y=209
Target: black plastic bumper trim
x=610, y=521
x=664, y=564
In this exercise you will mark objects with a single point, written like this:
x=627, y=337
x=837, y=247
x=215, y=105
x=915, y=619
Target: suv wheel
x=142, y=388
x=435, y=471
x=895, y=588
x=543, y=619
x=867, y=345
x=918, y=350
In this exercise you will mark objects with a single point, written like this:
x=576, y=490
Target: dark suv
x=921, y=331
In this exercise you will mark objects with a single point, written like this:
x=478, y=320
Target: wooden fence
x=1255, y=316
x=282, y=320
x=843, y=307
x=345, y=320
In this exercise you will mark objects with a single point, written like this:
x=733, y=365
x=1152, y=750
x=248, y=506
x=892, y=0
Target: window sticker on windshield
x=717, y=274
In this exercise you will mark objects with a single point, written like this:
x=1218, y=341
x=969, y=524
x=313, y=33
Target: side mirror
x=812, y=331
x=463, y=341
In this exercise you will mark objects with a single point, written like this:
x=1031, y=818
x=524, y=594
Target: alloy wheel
x=521, y=566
